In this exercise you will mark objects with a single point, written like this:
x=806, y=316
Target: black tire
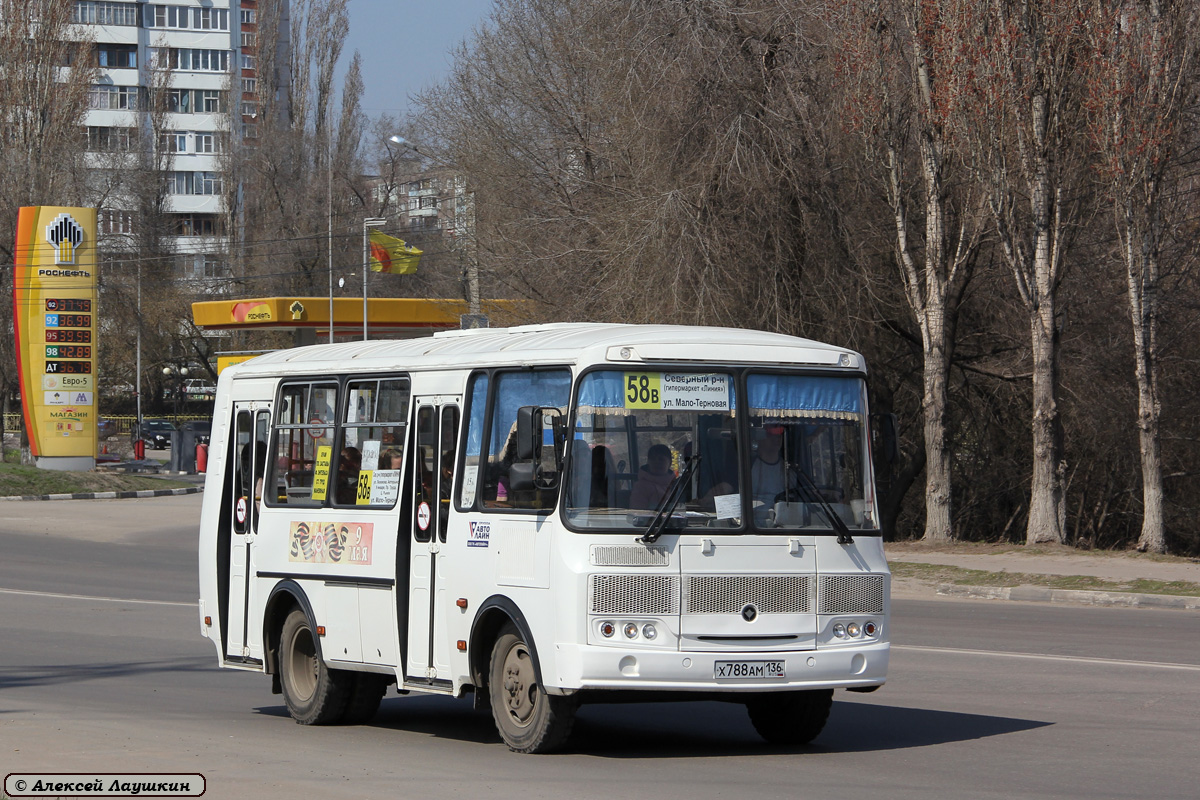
x=314, y=693
x=792, y=718
x=528, y=719
x=362, y=701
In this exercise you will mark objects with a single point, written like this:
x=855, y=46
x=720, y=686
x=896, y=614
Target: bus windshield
x=801, y=457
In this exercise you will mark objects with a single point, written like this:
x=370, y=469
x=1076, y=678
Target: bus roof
x=643, y=346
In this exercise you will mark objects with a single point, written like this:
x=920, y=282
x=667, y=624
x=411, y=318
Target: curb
x=109, y=495
x=1040, y=594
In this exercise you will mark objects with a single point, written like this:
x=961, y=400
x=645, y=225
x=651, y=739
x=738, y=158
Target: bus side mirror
x=886, y=431
x=540, y=434
x=529, y=433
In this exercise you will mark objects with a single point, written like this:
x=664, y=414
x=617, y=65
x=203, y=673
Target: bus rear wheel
x=528, y=719
x=792, y=718
x=314, y=693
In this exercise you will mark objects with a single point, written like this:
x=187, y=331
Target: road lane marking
x=1046, y=657
x=93, y=598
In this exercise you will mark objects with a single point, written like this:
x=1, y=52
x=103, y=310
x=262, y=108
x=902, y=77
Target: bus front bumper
x=590, y=667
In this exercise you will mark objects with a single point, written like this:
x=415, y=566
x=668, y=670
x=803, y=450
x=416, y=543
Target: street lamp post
x=180, y=374
x=368, y=223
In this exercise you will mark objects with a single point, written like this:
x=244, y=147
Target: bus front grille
x=729, y=594
x=851, y=594
x=634, y=594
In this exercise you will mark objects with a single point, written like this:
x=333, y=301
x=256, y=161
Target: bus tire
x=314, y=693
x=366, y=692
x=528, y=719
x=791, y=718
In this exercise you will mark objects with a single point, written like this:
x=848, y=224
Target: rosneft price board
x=55, y=303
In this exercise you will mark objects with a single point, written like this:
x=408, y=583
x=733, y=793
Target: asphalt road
x=985, y=699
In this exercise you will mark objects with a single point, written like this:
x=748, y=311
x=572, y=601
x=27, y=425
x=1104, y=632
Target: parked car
x=156, y=433
x=199, y=389
x=202, y=428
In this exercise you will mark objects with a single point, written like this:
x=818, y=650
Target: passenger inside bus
x=653, y=478
x=347, y=477
x=602, y=488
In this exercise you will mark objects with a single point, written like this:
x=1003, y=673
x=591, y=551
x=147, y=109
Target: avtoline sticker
x=331, y=542
x=480, y=534
x=687, y=391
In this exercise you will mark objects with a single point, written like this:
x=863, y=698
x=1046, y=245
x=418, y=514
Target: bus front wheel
x=315, y=694
x=792, y=718
x=528, y=719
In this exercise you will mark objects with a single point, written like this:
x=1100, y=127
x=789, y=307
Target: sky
x=405, y=45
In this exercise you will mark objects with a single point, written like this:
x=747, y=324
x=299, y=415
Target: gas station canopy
x=390, y=316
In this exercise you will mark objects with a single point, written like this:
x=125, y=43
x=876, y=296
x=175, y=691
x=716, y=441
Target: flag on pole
x=389, y=254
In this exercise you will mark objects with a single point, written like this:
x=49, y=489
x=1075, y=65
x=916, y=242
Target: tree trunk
x=1143, y=301
x=1047, y=505
x=938, y=526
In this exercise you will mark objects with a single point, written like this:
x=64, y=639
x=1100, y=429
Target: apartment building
x=202, y=55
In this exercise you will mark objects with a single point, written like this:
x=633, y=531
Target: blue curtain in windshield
x=786, y=395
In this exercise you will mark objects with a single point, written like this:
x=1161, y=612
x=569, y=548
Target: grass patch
x=960, y=576
x=16, y=480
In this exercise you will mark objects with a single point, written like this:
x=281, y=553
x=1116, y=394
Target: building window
x=247, y=61
x=196, y=101
x=205, y=143
x=249, y=39
x=249, y=109
x=119, y=56
x=249, y=131
x=248, y=16
x=110, y=140
x=198, y=225
x=88, y=12
x=249, y=85
x=191, y=60
x=104, y=97
x=194, y=183
x=181, y=18
x=175, y=142
x=115, y=222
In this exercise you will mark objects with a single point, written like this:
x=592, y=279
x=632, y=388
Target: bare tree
x=1021, y=101
x=1140, y=79
x=896, y=62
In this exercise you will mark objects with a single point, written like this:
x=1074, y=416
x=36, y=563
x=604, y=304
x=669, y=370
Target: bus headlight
x=839, y=631
x=649, y=631
x=853, y=630
x=631, y=630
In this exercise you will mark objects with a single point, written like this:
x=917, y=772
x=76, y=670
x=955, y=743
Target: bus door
x=251, y=423
x=432, y=449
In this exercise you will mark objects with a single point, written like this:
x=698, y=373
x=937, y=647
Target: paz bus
x=550, y=515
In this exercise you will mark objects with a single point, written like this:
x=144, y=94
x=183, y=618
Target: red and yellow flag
x=389, y=254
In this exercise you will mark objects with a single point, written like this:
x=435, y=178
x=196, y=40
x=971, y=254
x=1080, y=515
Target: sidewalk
x=1138, y=572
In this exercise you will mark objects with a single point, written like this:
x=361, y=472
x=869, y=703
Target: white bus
x=549, y=515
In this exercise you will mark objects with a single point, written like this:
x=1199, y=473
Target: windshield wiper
x=835, y=521
x=671, y=498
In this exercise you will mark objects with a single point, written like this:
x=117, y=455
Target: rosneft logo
x=65, y=234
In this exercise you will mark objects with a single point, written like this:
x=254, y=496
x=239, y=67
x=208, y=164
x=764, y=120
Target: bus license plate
x=752, y=670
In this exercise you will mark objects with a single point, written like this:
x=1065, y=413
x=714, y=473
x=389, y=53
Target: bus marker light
x=607, y=629
x=461, y=602
x=320, y=630
x=208, y=622
x=869, y=629
x=462, y=645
